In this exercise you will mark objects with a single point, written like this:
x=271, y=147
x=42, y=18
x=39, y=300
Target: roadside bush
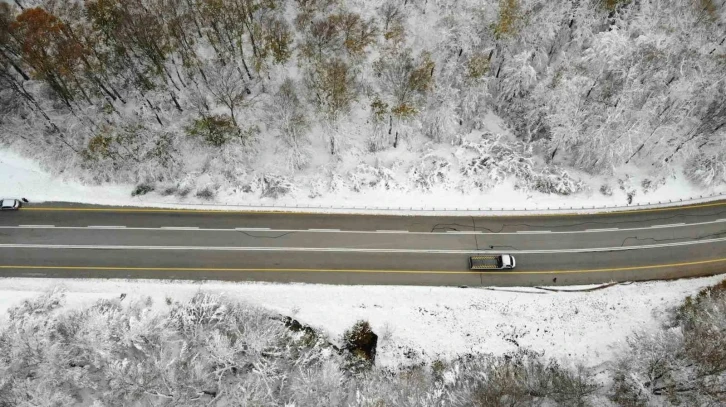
x=684, y=364
x=364, y=176
x=142, y=189
x=552, y=180
x=521, y=379
x=360, y=342
x=431, y=171
x=216, y=130
x=205, y=193
x=706, y=170
x=170, y=190
x=275, y=186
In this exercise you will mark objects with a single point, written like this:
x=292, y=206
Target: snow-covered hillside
x=435, y=102
x=106, y=342
x=425, y=324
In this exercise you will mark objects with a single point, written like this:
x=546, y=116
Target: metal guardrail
x=593, y=208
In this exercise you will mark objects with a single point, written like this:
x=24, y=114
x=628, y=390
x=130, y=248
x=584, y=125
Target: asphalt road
x=61, y=240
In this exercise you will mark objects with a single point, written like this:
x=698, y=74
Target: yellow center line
x=282, y=212
x=298, y=270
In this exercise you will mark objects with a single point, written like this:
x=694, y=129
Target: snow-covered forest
x=215, y=351
x=269, y=97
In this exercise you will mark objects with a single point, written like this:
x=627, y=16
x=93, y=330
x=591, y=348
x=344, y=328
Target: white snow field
x=423, y=324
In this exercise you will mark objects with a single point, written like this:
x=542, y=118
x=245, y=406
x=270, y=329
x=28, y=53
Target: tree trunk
x=176, y=103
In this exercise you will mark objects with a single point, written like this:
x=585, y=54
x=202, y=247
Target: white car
x=10, y=204
x=492, y=262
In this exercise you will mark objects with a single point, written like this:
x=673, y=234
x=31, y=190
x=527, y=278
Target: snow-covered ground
x=423, y=324
x=22, y=177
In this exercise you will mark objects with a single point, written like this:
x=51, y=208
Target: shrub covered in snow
x=432, y=170
x=441, y=124
x=131, y=153
x=364, y=176
x=551, y=180
x=492, y=160
x=326, y=181
x=706, y=169
x=275, y=186
x=142, y=189
x=206, y=193
x=684, y=364
x=215, y=129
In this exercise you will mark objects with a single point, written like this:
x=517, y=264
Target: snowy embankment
x=421, y=324
x=23, y=177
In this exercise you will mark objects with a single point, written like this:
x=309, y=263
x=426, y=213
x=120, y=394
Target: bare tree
x=289, y=113
x=391, y=14
x=229, y=88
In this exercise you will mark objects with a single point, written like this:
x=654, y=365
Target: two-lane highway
x=59, y=240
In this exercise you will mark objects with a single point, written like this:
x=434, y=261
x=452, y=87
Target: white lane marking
x=180, y=227
x=391, y=231
x=601, y=230
x=107, y=227
x=667, y=226
x=524, y=232
x=356, y=250
x=463, y=232
x=323, y=230
x=36, y=226
x=252, y=229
